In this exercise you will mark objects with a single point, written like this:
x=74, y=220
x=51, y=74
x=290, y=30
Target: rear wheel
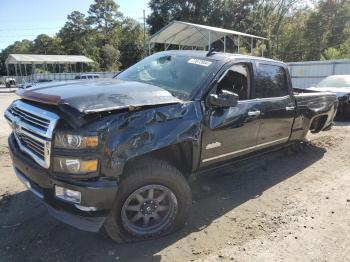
x=154, y=199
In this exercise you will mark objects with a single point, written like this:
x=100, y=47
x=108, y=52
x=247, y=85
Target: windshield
x=180, y=75
x=335, y=81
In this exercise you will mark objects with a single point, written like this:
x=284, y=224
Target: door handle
x=290, y=108
x=254, y=113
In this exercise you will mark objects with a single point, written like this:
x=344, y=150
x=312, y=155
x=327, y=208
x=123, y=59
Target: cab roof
x=219, y=56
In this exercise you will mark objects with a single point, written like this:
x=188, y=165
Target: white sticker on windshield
x=199, y=62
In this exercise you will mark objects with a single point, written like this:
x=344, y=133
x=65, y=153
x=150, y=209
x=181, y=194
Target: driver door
x=231, y=132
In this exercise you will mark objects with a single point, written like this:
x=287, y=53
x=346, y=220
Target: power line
x=11, y=36
x=29, y=29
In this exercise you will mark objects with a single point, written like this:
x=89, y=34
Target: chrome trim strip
x=9, y=117
x=254, y=113
x=23, y=131
x=52, y=117
x=255, y=100
x=27, y=183
x=47, y=149
x=213, y=145
x=30, y=117
x=245, y=149
x=43, y=137
x=84, y=208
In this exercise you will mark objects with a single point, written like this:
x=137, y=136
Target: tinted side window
x=271, y=81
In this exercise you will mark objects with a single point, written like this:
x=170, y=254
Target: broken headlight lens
x=68, y=141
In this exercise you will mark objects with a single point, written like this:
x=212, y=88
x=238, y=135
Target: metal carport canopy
x=188, y=34
x=46, y=59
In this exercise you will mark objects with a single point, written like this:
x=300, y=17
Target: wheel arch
x=318, y=123
x=181, y=155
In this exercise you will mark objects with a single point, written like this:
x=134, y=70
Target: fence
x=54, y=77
x=306, y=74
x=303, y=74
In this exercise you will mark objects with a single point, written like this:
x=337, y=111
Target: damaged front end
x=80, y=144
x=129, y=119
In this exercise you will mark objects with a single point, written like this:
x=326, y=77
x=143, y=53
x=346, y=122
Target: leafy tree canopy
x=104, y=35
x=296, y=31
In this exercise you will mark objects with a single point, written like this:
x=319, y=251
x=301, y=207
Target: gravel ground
x=293, y=205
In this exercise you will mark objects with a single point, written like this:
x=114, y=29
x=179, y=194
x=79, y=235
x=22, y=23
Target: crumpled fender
x=133, y=134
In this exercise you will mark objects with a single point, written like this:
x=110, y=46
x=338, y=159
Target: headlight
x=74, y=166
x=75, y=141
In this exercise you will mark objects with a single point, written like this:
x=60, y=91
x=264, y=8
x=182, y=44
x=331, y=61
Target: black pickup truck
x=119, y=152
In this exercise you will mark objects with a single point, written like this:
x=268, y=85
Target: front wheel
x=154, y=199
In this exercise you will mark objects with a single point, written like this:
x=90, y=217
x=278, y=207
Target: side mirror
x=223, y=100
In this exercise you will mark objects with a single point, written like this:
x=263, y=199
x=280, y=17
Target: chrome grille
x=31, y=119
x=35, y=146
x=33, y=129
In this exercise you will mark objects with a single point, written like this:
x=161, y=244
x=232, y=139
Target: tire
x=166, y=212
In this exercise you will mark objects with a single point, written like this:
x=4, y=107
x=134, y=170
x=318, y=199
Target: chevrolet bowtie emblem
x=16, y=127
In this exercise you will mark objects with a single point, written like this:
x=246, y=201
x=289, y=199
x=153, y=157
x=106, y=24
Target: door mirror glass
x=223, y=100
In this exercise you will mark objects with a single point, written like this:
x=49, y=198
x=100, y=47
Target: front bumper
x=99, y=194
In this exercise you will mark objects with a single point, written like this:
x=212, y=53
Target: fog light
x=87, y=209
x=67, y=194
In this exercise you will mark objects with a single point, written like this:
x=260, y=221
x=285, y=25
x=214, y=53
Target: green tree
x=77, y=36
x=291, y=44
x=110, y=58
x=105, y=20
x=132, y=43
x=326, y=29
x=222, y=13
x=44, y=44
x=41, y=44
x=104, y=17
x=19, y=47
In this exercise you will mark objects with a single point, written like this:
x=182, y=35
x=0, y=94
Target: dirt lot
x=290, y=206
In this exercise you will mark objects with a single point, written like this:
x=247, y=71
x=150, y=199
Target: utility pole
x=144, y=31
x=144, y=25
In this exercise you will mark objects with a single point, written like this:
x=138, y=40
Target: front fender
x=138, y=133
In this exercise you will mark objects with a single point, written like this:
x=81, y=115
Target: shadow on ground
x=28, y=233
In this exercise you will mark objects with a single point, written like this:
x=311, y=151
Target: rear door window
x=271, y=81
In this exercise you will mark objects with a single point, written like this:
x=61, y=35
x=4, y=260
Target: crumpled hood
x=91, y=96
x=337, y=90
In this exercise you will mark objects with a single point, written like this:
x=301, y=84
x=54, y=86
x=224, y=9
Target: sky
x=25, y=19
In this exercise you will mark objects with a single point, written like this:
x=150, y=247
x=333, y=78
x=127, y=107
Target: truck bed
x=315, y=112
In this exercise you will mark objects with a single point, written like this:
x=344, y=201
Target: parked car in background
x=87, y=76
x=119, y=152
x=338, y=84
x=10, y=82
